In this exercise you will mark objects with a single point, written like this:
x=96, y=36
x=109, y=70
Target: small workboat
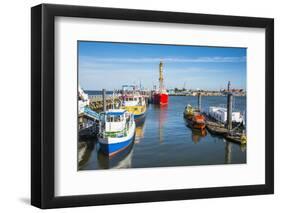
x=194, y=118
x=116, y=131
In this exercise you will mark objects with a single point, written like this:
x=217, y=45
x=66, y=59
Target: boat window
x=110, y=118
x=117, y=119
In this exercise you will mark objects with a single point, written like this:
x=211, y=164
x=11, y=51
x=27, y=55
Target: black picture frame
x=43, y=105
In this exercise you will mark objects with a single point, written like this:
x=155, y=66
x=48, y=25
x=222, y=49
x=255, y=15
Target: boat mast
x=161, y=78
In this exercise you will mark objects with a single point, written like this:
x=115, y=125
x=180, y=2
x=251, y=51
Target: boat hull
x=161, y=98
x=111, y=146
x=139, y=116
x=193, y=123
x=137, y=111
x=121, y=160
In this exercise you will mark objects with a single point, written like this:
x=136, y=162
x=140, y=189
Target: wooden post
x=229, y=111
x=228, y=149
x=104, y=99
x=199, y=101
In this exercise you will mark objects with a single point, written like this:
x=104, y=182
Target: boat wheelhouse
x=117, y=130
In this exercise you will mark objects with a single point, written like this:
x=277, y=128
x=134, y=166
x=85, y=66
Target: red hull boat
x=161, y=98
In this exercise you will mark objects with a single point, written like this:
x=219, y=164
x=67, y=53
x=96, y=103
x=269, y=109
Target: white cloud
x=215, y=59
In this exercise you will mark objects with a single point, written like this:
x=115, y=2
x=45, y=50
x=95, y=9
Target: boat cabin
x=131, y=96
x=114, y=120
x=133, y=100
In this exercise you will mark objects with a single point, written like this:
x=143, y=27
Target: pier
x=97, y=102
x=217, y=120
x=226, y=130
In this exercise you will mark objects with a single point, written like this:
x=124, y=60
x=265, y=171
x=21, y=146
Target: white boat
x=220, y=114
x=117, y=130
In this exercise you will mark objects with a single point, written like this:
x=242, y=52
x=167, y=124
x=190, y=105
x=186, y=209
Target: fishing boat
x=117, y=131
x=161, y=96
x=194, y=118
x=133, y=101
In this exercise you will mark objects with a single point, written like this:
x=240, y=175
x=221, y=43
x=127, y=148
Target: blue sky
x=111, y=65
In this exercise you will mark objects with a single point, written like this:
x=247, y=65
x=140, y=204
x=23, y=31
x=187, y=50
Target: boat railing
x=121, y=133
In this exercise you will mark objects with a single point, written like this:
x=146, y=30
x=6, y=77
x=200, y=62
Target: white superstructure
x=220, y=114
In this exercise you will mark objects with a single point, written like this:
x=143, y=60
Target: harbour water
x=163, y=139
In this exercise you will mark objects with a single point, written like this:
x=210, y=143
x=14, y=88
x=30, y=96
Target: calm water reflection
x=163, y=139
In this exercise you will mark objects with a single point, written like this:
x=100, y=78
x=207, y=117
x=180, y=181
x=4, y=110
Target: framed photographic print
x=140, y=106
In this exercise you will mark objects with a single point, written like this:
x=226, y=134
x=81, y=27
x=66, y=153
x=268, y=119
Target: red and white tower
x=161, y=97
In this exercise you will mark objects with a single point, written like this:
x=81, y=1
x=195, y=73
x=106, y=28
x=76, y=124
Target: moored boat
x=161, y=96
x=133, y=101
x=117, y=131
x=194, y=118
